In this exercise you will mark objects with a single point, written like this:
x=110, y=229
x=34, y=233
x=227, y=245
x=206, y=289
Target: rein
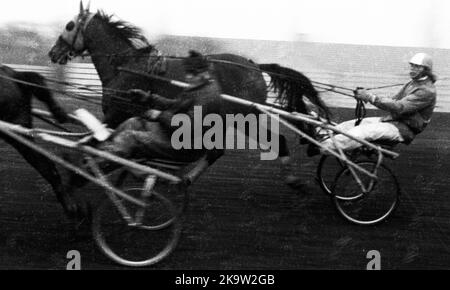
x=125, y=52
x=73, y=95
x=319, y=85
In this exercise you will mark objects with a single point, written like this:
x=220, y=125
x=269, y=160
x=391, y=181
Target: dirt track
x=242, y=216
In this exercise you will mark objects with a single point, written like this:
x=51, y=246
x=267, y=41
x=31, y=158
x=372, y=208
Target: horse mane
x=124, y=30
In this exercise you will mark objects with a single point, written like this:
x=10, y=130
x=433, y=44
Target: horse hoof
x=70, y=208
x=79, y=210
x=294, y=182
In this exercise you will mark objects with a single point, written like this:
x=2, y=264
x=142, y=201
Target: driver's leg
x=370, y=129
x=121, y=143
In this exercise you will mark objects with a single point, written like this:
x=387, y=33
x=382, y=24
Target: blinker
x=70, y=26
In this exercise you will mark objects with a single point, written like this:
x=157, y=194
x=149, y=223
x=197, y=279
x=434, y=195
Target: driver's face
x=415, y=70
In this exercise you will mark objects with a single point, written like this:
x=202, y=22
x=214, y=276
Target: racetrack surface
x=242, y=216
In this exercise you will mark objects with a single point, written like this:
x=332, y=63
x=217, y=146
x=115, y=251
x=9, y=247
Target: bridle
x=83, y=21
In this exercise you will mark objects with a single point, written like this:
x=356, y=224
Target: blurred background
x=34, y=25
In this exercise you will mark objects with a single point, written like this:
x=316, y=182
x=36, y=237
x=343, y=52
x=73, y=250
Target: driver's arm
x=162, y=103
x=412, y=103
x=152, y=100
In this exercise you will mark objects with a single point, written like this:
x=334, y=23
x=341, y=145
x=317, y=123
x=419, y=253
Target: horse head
x=71, y=42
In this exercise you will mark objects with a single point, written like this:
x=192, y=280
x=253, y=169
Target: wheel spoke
x=368, y=208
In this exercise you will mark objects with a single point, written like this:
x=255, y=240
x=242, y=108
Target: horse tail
x=290, y=86
x=34, y=84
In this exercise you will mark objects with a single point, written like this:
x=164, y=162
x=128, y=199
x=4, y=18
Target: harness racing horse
x=16, y=91
x=115, y=44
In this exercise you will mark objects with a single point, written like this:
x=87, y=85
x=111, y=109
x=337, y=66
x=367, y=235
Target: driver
x=149, y=136
x=409, y=111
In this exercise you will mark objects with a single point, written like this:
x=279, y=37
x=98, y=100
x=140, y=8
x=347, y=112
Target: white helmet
x=422, y=59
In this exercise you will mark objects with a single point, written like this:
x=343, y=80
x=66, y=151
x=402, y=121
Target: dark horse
x=114, y=44
x=15, y=107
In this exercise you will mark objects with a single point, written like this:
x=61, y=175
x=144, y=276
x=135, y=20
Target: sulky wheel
x=150, y=236
x=328, y=168
x=366, y=208
x=177, y=194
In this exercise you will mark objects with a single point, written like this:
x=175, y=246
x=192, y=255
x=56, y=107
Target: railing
x=84, y=74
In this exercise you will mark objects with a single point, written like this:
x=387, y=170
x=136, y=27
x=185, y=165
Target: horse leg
x=42, y=94
x=287, y=169
x=211, y=157
x=48, y=171
x=57, y=111
x=312, y=149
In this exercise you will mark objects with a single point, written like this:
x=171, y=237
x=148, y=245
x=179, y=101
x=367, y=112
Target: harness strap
x=156, y=63
x=360, y=109
x=360, y=112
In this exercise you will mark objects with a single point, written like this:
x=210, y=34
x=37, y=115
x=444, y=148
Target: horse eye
x=70, y=26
